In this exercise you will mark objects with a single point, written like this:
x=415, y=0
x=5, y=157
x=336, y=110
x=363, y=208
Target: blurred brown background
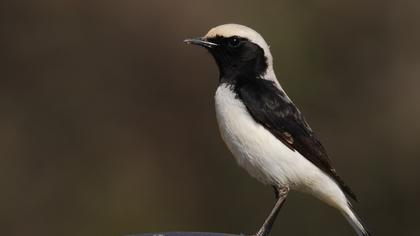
x=107, y=124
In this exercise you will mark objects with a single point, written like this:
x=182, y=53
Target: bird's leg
x=281, y=194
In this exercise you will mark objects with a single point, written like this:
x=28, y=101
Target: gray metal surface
x=185, y=234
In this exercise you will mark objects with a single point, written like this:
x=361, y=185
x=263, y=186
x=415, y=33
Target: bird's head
x=237, y=50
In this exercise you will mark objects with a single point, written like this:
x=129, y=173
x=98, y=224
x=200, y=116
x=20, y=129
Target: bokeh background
x=107, y=123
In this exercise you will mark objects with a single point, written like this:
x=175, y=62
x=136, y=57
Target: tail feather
x=355, y=222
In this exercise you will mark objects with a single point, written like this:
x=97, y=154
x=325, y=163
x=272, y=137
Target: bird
x=264, y=130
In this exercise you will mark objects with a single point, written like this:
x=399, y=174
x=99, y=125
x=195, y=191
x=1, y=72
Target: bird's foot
x=263, y=231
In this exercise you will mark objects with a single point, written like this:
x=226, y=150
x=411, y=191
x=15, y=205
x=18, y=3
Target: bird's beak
x=200, y=42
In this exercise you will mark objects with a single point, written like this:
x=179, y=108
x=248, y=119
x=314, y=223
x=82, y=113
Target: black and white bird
x=264, y=130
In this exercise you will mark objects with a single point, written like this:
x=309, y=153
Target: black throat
x=239, y=65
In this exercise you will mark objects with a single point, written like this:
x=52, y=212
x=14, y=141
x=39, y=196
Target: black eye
x=234, y=42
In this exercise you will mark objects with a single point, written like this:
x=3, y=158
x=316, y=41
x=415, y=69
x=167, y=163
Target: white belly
x=264, y=156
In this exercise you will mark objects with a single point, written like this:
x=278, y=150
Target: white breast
x=264, y=156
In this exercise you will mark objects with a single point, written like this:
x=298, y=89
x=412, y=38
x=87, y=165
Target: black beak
x=200, y=42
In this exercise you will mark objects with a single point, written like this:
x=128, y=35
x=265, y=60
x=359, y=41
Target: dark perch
x=186, y=234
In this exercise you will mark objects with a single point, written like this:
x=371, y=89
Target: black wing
x=270, y=107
